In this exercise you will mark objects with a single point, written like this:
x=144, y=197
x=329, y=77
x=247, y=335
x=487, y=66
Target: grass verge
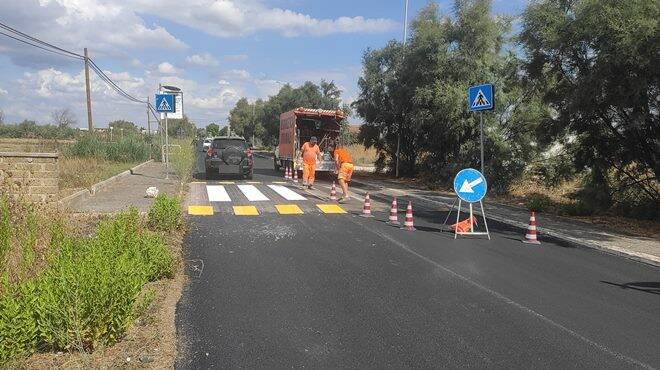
x=90, y=291
x=77, y=173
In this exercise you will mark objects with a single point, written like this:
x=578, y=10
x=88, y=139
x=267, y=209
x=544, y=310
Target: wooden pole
x=90, y=125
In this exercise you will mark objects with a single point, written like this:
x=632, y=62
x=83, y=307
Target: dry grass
x=362, y=156
x=77, y=173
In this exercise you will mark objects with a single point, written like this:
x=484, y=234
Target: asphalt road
x=341, y=291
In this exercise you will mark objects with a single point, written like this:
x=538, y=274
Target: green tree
x=127, y=126
x=212, y=130
x=420, y=94
x=596, y=63
x=181, y=127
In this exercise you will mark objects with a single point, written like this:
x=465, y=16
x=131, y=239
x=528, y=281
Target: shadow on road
x=642, y=286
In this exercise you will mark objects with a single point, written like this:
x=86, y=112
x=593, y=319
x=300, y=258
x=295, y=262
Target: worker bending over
x=344, y=165
x=311, y=153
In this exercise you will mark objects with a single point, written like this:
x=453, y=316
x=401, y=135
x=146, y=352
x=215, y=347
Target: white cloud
x=3, y=91
x=223, y=83
x=167, y=69
x=203, y=60
x=236, y=57
x=236, y=74
x=230, y=18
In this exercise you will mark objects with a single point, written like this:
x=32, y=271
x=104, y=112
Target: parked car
x=207, y=144
x=229, y=155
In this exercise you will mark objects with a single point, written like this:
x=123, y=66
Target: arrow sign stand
x=458, y=216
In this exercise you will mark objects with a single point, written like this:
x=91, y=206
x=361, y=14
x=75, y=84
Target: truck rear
x=298, y=126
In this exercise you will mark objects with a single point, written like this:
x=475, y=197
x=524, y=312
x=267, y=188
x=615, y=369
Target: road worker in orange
x=311, y=153
x=344, y=164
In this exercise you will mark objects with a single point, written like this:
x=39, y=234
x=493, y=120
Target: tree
x=419, y=93
x=181, y=127
x=2, y=117
x=63, y=118
x=127, y=127
x=596, y=63
x=212, y=130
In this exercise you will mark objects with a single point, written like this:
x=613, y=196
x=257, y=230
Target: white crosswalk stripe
x=286, y=193
x=252, y=193
x=217, y=193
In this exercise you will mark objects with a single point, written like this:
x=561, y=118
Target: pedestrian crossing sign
x=481, y=97
x=165, y=103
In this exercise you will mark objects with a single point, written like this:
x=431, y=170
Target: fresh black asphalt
x=342, y=291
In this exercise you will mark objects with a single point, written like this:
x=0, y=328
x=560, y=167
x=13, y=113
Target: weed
x=165, y=214
x=5, y=228
x=183, y=160
x=538, y=202
x=578, y=208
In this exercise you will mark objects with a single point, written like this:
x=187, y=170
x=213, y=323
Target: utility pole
x=148, y=118
x=90, y=125
x=398, y=136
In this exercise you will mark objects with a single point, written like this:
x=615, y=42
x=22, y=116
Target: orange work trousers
x=309, y=173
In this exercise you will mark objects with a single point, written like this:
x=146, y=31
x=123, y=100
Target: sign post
x=165, y=104
x=470, y=186
x=481, y=98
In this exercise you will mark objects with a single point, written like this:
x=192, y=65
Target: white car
x=207, y=144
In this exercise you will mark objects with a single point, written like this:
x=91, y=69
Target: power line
x=40, y=47
x=24, y=35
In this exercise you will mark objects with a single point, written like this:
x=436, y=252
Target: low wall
x=34, y=176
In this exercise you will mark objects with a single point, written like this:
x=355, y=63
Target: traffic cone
x=287, y=173
x=366, y=209
x=295, y=175
x=394, y=219
x=408, y=224
x=333, y=193
x=530, y=236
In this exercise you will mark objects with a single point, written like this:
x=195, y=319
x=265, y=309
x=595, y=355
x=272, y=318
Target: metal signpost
x=470, y=186
x=165, y=104
x=481, y=98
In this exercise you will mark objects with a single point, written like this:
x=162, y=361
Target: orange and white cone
x=366, y=209
x=394, y=219
x=530, y=236
x=287, y=173
x=408, y=223
x=333, y=193
x=295, y=175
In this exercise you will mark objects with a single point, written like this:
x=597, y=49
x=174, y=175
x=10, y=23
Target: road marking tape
x=330, y=208
x=286, y=193
x=246, y=211
x=200, y=210
x=288, y=209
x=252, y=193
x=217, y=193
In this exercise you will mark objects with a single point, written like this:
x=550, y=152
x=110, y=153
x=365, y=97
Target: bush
x=538, y=202
x=165, y=214
x=88, y=293
x=128, y=149
x=579, y=208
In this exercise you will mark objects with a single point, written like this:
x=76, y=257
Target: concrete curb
x=622, y=252
x=85, y=193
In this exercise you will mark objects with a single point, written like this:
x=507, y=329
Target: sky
x=216, y=51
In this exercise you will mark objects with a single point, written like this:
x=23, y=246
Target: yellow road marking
x=226, y=182
x=197, y=182
x=288, y=209
x=280, y=182
x=330, y=208
x=253, y=182
x=200, y=210
x=246, y=211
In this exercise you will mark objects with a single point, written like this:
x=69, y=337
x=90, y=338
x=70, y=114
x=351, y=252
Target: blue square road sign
x=165, y=103
x=481, y=97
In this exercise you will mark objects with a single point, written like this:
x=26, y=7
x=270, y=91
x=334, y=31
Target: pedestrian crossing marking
x=246, y=211
x=288, y=209
x=330, y=208
x=200, y=210
x=286, y=193
x=217, y=193
x=252, y=193
x=480, y=100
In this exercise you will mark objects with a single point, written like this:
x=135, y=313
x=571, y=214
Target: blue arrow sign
x=165, y=103
x=481, y=97
x=470, y=185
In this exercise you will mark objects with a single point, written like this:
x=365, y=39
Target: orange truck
x=298, y=126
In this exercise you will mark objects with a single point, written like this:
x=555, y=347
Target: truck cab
x=298, y=126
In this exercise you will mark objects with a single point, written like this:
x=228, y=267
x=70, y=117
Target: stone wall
x=33, y=176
